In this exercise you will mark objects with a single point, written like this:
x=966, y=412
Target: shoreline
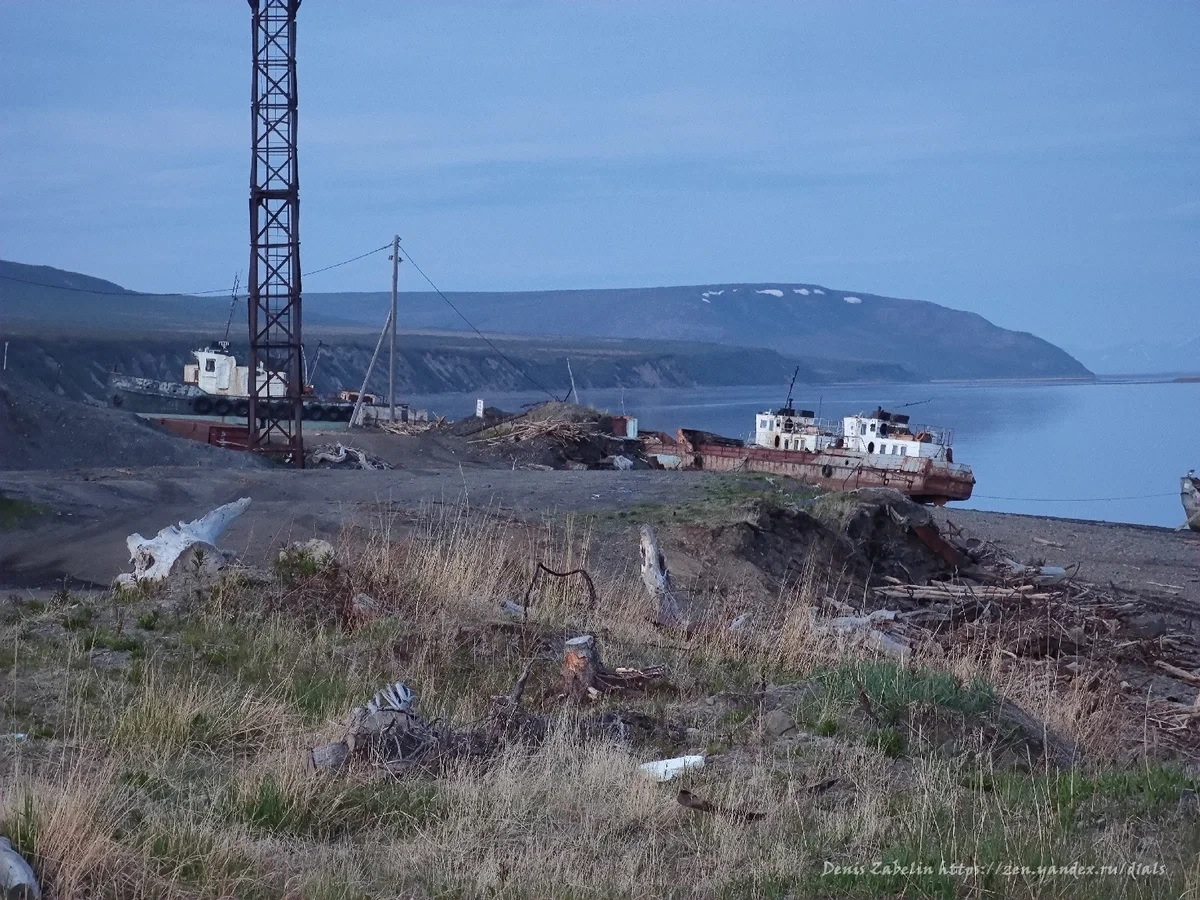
x=84, y=515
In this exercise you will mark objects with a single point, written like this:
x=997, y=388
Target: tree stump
x=657, y=579
x=581, y=665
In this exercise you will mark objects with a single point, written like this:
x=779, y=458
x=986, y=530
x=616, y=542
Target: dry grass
x=184, y=773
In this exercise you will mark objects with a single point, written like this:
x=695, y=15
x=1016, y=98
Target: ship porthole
x=871, y=447
x=117, y=399
x=827, y=470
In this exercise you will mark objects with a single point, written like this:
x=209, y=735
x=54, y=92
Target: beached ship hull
x=926, y=479
x=837, y=470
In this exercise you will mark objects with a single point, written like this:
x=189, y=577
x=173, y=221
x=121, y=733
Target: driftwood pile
x=558, y=431
x=1114, y=643
x=410, y=428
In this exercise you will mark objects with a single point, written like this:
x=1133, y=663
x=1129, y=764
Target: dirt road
x=88, y=514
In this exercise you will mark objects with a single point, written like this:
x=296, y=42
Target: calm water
x=1110, y=451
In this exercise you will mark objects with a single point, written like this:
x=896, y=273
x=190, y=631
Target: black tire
x=222, y=407
x=315, y=413
x=203, y=406
x=241, y=408
x=343, y=413
x=827, y=470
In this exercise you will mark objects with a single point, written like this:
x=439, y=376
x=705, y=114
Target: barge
x=216, y=386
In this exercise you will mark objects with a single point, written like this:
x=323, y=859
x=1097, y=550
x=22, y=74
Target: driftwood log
x=155, y=558
x=657, y=579
x=1058, y=751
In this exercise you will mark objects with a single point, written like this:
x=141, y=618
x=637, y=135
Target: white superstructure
x=216, y=372
x=879, y=434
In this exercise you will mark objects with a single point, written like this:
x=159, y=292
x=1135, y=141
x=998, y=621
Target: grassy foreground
x=166, y=737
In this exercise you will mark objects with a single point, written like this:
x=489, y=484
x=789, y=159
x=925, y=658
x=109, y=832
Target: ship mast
x=788, y=405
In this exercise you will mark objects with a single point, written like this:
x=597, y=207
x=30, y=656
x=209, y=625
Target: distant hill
x=845, y=331
x=800, y=320
x=1179, y=356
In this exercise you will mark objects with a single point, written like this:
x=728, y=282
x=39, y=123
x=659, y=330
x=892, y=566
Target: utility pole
x=392, y=356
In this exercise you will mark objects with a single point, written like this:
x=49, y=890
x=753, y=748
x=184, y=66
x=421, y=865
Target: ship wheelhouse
x=216, y=372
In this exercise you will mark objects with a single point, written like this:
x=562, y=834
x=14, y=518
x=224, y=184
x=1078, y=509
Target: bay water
x=1112, y=450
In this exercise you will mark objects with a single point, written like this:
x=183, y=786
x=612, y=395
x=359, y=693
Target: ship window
x=902, y=453
x=210, y=365
x=872, y=426
x=871, y=447
x=862, y=429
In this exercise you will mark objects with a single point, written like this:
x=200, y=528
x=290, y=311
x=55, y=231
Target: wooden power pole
x=392, y=355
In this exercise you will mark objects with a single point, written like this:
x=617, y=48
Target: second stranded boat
x=215, y=385
x=878, y=450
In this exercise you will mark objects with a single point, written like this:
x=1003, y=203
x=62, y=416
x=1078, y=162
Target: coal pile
x=41, y=430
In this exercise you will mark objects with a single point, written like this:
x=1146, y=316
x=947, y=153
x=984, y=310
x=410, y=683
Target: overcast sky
x=1038, y=163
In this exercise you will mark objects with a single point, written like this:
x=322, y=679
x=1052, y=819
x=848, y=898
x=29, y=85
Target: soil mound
x=40, y=430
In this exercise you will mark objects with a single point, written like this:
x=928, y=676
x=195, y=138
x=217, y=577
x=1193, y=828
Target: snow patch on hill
x=800, y=291
x=774, y=292
x=853, y=299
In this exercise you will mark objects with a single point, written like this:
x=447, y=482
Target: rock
x=331, y=757
x=364, y=605
x=512, y=609
x=778, y=723
x=742, y=622
x=16, y=876
x=778, y=695
x=319, y=551
x=200, y=561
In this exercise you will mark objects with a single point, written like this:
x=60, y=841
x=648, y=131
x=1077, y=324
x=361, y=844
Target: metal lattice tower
x=274, y=298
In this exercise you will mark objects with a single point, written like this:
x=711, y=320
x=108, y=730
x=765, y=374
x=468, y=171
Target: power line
x=346, y=262
x=221, y=290
x=486, y=340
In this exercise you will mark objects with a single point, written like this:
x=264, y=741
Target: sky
x=1037, y=163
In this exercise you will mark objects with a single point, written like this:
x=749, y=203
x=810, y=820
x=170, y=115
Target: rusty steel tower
x=274, y=284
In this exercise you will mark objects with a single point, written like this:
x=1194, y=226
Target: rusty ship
x=879, y=449
x=1189, y=493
